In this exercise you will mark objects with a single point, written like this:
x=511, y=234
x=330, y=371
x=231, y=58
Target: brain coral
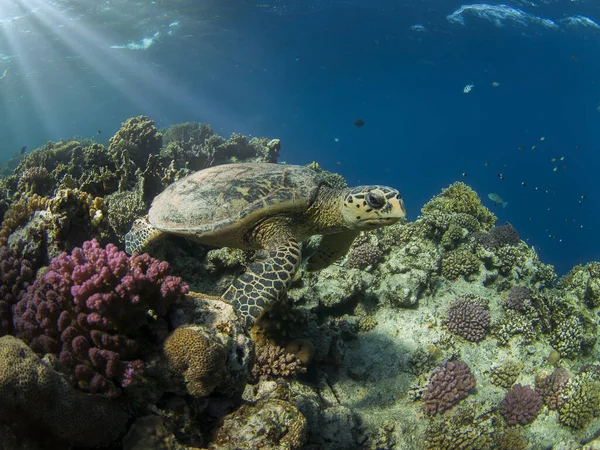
x=32, y=393
x=449, y=384
x=196, y=357
x=468, y=318
x=94, y=308
x=521, y=404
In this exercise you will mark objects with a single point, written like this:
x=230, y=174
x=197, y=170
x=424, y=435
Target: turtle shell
x=217, y=204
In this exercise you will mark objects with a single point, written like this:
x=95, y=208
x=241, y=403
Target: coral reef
x=449, y=384
x=521, y=405
x=468, y=318
x=91, y=308
x=366, y=342
x=39, y=399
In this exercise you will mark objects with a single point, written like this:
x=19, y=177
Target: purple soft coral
x=93, y=308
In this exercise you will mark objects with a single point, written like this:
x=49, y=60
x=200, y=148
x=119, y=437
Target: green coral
x=136, y=139
x=506, y=374
x=581, y=401
x=584, y=282
x=123, y=208
x=459, y=263
x=568, y=336
x=453, y=236
x=335, y=180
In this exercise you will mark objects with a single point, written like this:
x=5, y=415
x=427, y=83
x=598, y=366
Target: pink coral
x=92, y=309
x=449, y=384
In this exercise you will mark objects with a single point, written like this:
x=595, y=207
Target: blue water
x=303, y=71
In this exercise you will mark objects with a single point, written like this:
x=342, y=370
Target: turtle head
x=370, y=207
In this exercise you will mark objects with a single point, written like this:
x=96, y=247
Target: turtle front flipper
x=264, y=281
x=140, y=235
x=331, y=248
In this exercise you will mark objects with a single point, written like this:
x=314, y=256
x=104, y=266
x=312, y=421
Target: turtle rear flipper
x=264, y=281
x=140, y=235
x=331, y=248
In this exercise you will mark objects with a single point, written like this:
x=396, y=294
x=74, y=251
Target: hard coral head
x=370, y=207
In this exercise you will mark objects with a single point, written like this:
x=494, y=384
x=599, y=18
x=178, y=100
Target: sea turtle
x=270, y=207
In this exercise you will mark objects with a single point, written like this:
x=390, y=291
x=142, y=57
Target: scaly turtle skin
x=265, y=206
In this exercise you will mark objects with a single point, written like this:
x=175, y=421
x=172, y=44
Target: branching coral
x=468, y=318
x=459, y=263
x=364, y=255
x=551, y=386
x=16, y=274
x=92, y=308
x=521, y=405
x=449, y=384
x=273, y=361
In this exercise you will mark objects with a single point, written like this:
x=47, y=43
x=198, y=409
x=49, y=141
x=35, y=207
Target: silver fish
x=497, y=199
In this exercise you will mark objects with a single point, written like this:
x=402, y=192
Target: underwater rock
x=34, y=394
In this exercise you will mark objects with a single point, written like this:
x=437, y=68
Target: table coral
x=34, y=394
x=449, y=384
x=520, y=405
x=92, y=308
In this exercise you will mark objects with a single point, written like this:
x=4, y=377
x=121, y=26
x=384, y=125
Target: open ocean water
x=304, y=71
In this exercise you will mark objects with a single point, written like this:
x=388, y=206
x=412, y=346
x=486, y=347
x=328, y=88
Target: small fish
x=501, y=176
x=497, y=199
x=521, y=147
x=554, y=169
x=553, y=159
x=468, y=88
x=562, y=158
x=358, y=123
x=486, y=164
x=533, y=147
x=495, y=84
x=543, y=138
x=523, y=184
x=23, y=150
x=464, y=174
x=98, y=131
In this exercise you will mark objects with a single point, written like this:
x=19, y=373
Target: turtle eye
x=375, y=201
